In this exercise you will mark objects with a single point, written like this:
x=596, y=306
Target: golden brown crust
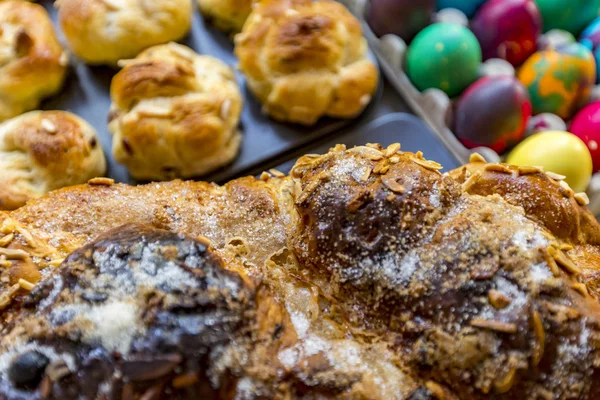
x=175, y=114
x=32, y=61
x=41, y=151
x=306, y=59
x=379, y=277
x=542, y=197
x=227, y=15
x=106, y=31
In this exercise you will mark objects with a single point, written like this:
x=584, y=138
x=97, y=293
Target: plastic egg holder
x=435, y=107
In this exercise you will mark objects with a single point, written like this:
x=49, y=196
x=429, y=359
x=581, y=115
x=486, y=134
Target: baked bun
x=174, y=114
x=32, y=61
x=227, y=15
x=106, y=31
x=45, y=150
x=306, y=59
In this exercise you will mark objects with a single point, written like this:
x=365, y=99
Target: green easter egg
x=570, y=15
x=444, y=56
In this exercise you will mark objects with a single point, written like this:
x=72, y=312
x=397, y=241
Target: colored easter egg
x=560, y=80
x=590, y=38
x=586, y=126
x=492, y=112
x=559, y=152
x=508, y=29
x=443, y=56
x=466, y=6
x=570, y=15
x=404, y=18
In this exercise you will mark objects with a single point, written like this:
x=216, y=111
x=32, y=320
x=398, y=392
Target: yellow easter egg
x=559, y=152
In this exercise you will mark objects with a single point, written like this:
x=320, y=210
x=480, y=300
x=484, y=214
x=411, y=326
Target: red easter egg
x=493, y=112
x=508, y=29
x=586, y=126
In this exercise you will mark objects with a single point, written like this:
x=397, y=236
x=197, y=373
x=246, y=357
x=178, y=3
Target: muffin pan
x=86, y=93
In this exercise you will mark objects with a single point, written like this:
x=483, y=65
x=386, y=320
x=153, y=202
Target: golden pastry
x=306, y=59
x=106, y=31
x=32, y=61
x=175, y=113
x=42, y=151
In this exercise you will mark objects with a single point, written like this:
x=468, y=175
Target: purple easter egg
x=404, y=18
x=508, y=29
x=493, y=112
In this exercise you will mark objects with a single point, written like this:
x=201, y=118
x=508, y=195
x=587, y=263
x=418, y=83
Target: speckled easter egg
x=570, y=15
x=492, y=112
x=404, y=18
x=586, y=126
x=559, y=152
x=443, y=56
x=560, y=80
x=467, y=6
x=590, y=38
x=508, y=29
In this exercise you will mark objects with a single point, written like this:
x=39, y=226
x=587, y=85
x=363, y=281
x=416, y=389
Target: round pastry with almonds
x=305, y=60
x=105, y=31
x=175, y=113
x=42, y=151
x=32, y=61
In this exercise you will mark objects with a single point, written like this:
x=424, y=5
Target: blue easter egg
x=590, y=38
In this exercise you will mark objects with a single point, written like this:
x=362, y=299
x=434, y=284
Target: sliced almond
x=392, y=149
x=276, y=173
x=471, y=181
x=367, y=152
x=14, y=254
x=582, y=199
x=565, y=262
x=101, y=182
x=477, y=158
x=25, y=284
x=365, y=176
x=566, y=187
x=5, y=241
x=498, y=326
x=225, y=108
x=265, y=176
x=555, y=176
x=504, y=384
x=48, y=126
x=528, y=170
x=430, y=165
x=540, y=333
x=581, y=288
x=504, y=169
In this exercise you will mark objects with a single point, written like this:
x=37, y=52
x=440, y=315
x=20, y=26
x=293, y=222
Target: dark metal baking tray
x=408, y=130
x=86, y=93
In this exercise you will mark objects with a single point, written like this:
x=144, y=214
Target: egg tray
x=433, y=105
x=265, y=141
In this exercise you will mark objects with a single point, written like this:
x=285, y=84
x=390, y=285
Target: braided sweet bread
x=365, y=274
